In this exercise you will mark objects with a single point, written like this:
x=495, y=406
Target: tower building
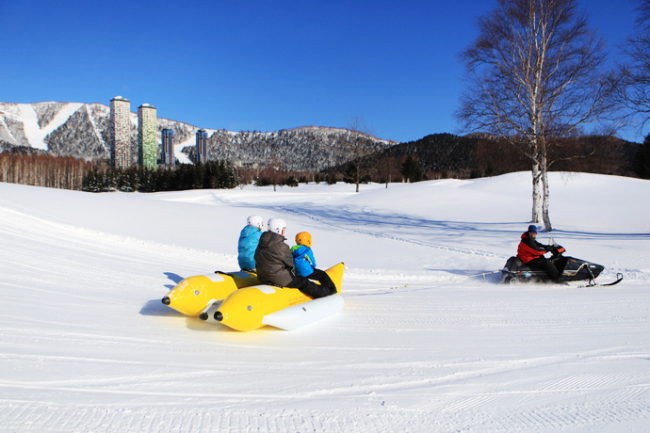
x=147, y=136
x=201, y=146
x=120, y=132
x=167, y=147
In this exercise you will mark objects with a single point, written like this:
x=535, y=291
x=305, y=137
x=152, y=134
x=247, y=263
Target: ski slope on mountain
x=428, y=341
x=33, y=132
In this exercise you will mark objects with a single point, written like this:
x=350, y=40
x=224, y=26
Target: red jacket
x=529, y=249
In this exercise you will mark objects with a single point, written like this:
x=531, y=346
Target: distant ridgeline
x=301, y=149
x=82, y=131
x=447, y=155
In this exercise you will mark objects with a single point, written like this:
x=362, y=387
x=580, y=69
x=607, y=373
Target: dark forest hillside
x=448, y=155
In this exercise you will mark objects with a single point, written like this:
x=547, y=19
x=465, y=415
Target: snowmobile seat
x=513, y=264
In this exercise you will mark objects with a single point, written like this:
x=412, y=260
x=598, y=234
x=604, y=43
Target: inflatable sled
x=193, y=295
x=570, y=269
x=250, y=308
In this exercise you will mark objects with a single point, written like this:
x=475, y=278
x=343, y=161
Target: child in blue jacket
x=305, y=263
x=249, y=238
x=303, y=256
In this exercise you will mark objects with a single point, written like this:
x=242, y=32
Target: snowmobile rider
x=531, y=252
x=305, y=262
x=275, y=264
x=248, y=240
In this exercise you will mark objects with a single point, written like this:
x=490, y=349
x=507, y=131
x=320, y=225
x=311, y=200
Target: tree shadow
x=155, y=307
x=408, y=228
x=174, y=277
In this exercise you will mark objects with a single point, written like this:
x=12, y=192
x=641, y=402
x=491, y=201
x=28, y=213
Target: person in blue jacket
x=303, y=256
x=249, y=238
x=305, y=262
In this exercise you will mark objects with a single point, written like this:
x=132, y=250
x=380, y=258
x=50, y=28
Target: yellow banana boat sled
x=252, y=307
x=212, y=298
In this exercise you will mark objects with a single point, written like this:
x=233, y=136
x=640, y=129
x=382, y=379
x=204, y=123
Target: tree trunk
x=545, y=197
x=536, y=174
x=358, y=171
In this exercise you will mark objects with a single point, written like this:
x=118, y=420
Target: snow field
x=424, y=344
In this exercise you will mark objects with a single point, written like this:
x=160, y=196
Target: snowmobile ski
x=619, y=278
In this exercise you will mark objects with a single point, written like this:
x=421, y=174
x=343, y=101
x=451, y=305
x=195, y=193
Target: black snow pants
x=312, y=289
x=546, y=265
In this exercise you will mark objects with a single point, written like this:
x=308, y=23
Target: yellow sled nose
x=192, y=295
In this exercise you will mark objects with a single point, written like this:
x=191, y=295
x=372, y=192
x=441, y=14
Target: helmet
x=255, y=221
x=276, y=225
x=303, y=238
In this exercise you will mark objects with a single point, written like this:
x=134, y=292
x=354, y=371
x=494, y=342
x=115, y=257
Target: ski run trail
x=429, y=339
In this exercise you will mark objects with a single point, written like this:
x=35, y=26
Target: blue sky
x=259, y=65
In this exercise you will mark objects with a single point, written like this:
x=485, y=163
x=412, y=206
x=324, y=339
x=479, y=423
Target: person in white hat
x=248, y=240
x=275, y=264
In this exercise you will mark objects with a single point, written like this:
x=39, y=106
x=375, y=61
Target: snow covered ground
x=423, y=344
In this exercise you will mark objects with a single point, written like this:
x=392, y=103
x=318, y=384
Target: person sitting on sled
x=531, y=253
x=304, y=260
x=303, y=256
x=275, y=264
x=248, y=240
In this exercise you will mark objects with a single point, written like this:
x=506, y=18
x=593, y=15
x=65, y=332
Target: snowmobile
x=570, y=269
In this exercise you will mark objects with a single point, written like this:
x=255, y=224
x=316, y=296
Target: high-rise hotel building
x=168, y=147
x=120, y=132
x=147, y=136
x=201, y=146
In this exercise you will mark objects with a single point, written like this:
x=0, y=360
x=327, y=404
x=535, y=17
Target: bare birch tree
x=535, y=74
x=355, y=144
x=634, y=91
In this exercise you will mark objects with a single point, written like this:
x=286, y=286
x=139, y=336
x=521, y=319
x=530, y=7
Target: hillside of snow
x=429, y=340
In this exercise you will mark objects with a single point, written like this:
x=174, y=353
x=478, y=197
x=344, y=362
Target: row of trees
x=43, y=170
x=537, y=73
x=211, y=175
x=483, y=155
x=642, y=161
x=389, y=169
x=71, y=173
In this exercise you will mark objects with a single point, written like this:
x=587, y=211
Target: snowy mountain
x=82, y=131
x=298, y=149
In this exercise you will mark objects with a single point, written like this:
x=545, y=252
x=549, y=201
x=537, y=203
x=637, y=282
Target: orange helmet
x=303, y=238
